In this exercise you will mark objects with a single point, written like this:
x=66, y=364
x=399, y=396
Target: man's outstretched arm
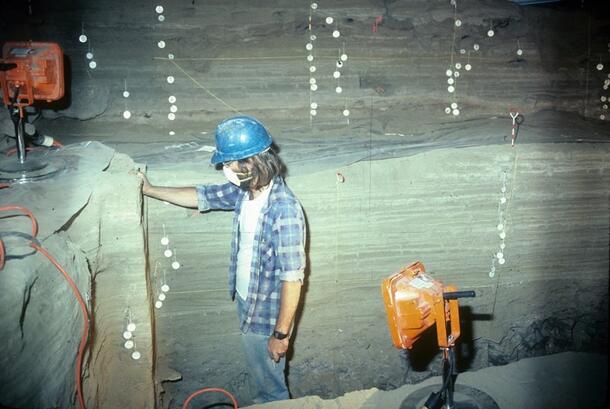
x=181, y=196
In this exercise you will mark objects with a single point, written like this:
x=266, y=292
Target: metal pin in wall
x=164, y=286
x=468, y=67
x=491, y=32
x=125, y=92
x=82, y=38
x=175, y=263
x=164, y=239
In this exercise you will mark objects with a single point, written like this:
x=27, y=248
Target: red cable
x=79, y=298
x=25, y=212
x=204, y=390
x=85, y=336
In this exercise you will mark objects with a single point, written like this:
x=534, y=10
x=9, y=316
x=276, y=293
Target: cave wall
x=90, y=219
x=440, y=207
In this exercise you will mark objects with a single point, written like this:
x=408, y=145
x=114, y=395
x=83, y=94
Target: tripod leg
x=451, y=373
x=21, y=140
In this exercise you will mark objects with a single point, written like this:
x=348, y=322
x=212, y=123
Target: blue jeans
x=267, y=379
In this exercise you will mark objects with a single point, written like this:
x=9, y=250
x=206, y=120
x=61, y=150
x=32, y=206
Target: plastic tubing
x=79, y=298
x=204, y=390
x=25, y=212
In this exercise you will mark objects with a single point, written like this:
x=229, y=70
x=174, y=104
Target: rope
x=204, y=88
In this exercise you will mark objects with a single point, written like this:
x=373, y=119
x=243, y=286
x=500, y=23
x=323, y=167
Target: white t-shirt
x=248, y=221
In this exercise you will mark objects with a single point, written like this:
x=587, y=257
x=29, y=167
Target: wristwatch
x=279, y=335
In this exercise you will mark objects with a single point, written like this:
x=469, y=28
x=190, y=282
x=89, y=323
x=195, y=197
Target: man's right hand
x=181, y=196
x=145, y=183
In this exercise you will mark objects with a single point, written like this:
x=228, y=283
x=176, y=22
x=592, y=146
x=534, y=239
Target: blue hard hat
x=239, y=137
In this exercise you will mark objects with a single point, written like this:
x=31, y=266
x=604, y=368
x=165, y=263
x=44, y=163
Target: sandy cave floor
x=566, y=380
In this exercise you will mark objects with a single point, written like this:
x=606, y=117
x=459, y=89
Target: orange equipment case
x=38, y=74
x=414, y=302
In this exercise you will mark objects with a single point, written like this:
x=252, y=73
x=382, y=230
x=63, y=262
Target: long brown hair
x=265, y=166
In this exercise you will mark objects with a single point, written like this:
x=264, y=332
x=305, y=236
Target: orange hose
x=85, y=336
x=79, y=298
x=204, y=390
x=25, y=212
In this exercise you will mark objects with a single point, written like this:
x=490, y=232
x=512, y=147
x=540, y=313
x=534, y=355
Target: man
x=267, y=249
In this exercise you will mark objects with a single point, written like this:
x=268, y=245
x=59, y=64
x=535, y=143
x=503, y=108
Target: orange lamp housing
x=414, y=302
x=37, y=73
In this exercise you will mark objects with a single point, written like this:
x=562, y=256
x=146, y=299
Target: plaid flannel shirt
x=278, y=253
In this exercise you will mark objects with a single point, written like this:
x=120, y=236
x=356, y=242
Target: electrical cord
x=205, y=390
x=437, y=399
x=26, y=236
x=34, y=243
x=85, y=336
